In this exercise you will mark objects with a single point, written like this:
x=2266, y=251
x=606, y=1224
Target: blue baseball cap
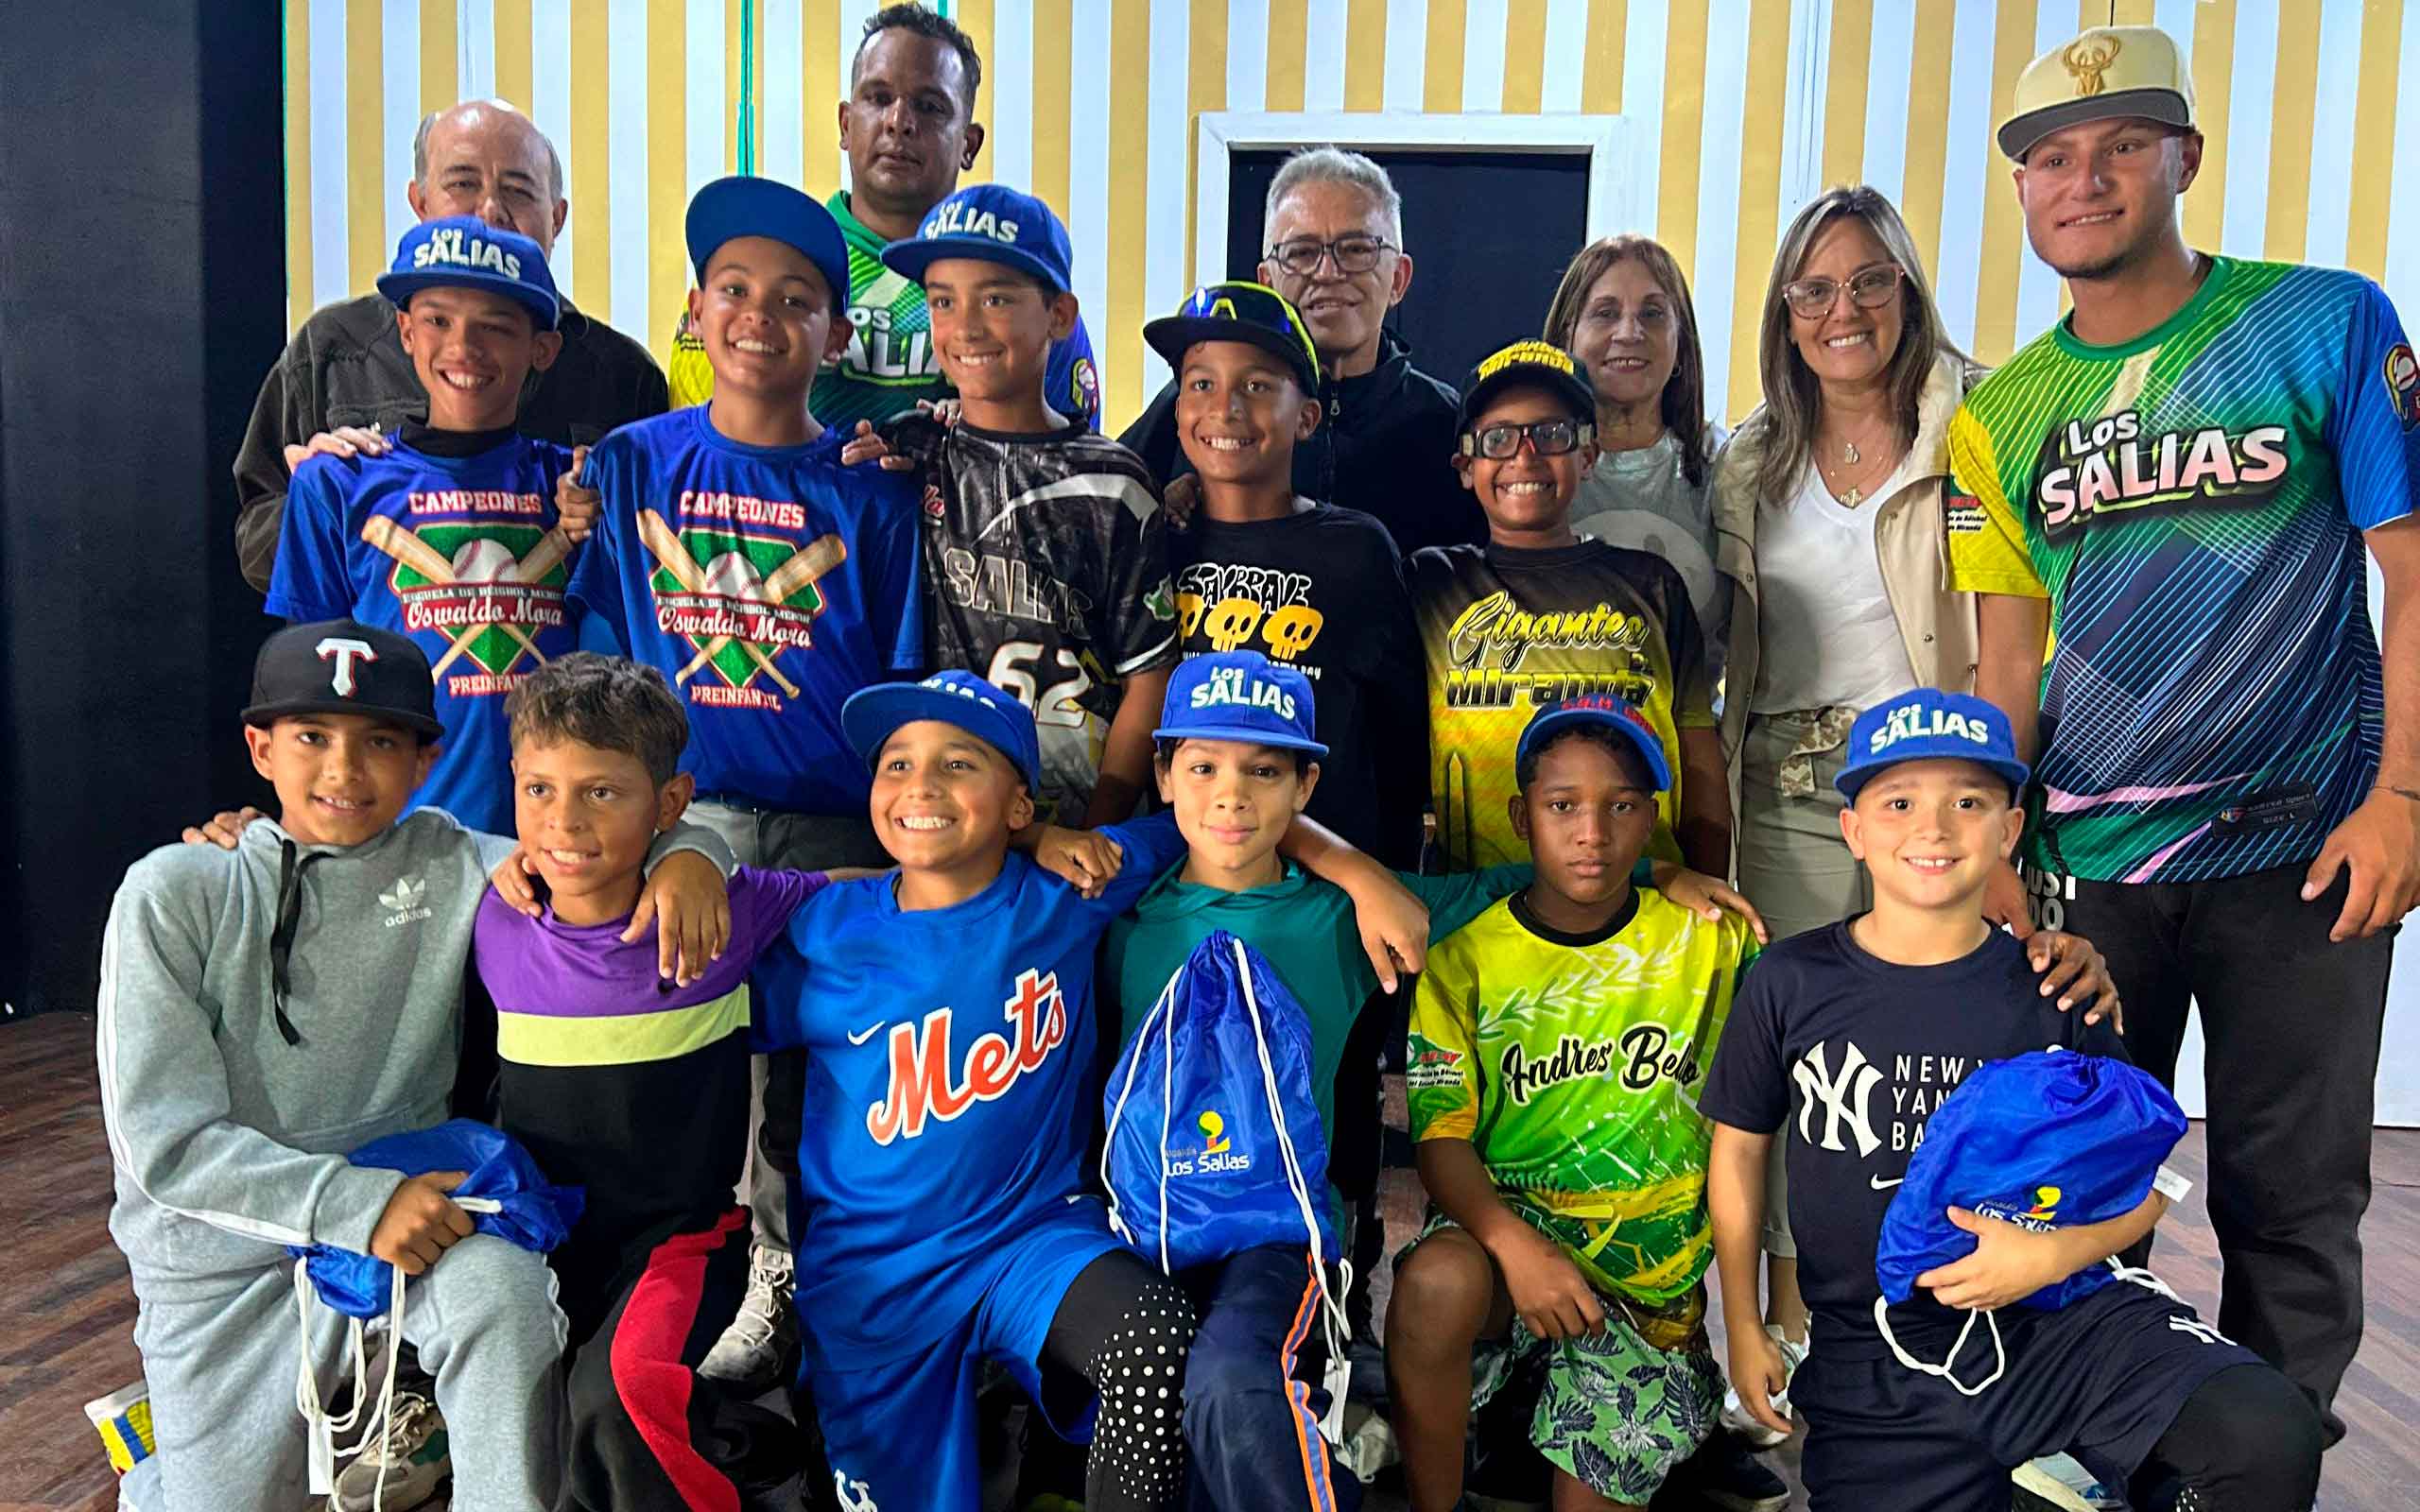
x=465, y=253
x=1926, y=724
x=1603, y=710
x=744, y=205
x=995, y=224
x=871, y=716
x=1241, y=695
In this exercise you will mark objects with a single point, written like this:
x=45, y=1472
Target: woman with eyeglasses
x=1827, y=507
x=1623, y=309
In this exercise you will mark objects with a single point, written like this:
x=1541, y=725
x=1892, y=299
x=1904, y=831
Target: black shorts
x=2101, y=1379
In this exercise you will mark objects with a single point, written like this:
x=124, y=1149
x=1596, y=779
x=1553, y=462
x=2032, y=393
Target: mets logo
x=2403, y=383
x=1214, y=1133
x=927, y=1086
x=2087, y=58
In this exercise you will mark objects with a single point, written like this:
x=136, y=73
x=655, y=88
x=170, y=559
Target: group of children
x=678, y=669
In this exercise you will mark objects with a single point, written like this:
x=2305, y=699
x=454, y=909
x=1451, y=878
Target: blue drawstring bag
x=2052, y=1139
x=506, y=1194
x=1215, y=1145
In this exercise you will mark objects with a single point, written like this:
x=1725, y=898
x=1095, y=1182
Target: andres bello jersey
x=462, y=555
x=951, y=1089
x=1503, y=630
x=2192, y=505
x=1842, y=1057
x=767, y=584
x=1573, y=1066
x=891, y=363
x=1046, y=568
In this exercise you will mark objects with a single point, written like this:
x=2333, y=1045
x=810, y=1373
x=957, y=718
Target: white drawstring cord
x=1999, y=1354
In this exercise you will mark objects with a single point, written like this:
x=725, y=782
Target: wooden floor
x=67, y=1314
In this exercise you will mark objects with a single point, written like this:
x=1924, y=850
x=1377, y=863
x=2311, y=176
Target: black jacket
x=347, y=366
x=1384, y=447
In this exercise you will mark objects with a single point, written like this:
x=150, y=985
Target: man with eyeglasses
x=1335, y=247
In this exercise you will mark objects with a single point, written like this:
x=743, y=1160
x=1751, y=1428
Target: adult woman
x=1623, y=310
x=1827, y=507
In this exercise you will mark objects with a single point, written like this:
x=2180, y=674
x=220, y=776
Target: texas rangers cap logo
x=344, y=651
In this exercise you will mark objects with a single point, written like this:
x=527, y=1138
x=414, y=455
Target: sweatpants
x=648, y=1432
x=2292, y=1022
x=1253, y=1398
x=219, y=1359
x=794, y=842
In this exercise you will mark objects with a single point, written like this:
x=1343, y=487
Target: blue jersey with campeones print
x=459, y=554
x=951, y=1090
x=768, y=584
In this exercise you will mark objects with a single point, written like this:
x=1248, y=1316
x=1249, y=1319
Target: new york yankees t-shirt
x=1321, y=591
x=1842, y=1056
x=767, y=583
x=926, y=1140
x=456, y=550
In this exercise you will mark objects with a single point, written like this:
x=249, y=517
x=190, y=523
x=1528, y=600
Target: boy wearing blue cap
x=1045, y=550
x=1861, y=1029
x=449, y=535
x=942, y=1168
x=1557, y=1046
x=738, y=554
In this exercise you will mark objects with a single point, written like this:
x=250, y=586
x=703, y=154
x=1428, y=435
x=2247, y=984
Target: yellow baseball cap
x=2107, y=72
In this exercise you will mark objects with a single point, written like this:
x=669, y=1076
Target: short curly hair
x=604, y=701
x=923, y=23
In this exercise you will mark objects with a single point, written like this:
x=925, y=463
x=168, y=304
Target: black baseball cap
x=1531, y=362
x=344, y=668
x=1239, y=311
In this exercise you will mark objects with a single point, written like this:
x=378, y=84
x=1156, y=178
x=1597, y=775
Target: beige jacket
x=1909, y=535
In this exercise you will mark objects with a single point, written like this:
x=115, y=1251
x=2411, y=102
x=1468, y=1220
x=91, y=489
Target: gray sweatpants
x=219, y=1355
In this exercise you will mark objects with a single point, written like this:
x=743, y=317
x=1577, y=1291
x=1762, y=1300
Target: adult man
x=909, y=127
x=2178, y=482
x=1335, y=247
x=347, y=367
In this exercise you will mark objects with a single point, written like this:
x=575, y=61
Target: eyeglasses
x=1547, y=437
x=1352, y=254
x=1870, y=289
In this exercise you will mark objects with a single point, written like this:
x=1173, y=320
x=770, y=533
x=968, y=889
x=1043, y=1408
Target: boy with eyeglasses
x=1538, y=615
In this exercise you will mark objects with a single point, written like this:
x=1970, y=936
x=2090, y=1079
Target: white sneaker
x=410, y=1459
x=750, y=1352
x=2059, y=1481
x=1735, y=1416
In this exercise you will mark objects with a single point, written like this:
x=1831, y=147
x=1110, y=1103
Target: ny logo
x=344, y=651
x=1816, y=1084
x=2200, y=1329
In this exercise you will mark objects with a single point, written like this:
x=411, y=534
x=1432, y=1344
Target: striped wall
x=1752, y=106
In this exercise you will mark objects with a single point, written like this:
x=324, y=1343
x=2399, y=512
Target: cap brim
x=1581, y=398
x=400, y=287
x=1651, y=749
x=728, y=209
x=1173, y=335
x=269, y=713
x=2019, y=133
x=871, y=715
x=1241, y=736
x=1852, y=779
x=909, y=259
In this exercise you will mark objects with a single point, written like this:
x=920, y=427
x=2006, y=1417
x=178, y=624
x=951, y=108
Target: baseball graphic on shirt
x=485, y=559
x=733, y=575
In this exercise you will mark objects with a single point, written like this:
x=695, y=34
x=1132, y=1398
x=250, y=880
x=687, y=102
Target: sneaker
x=404, y=1469
x=751, y=1354
x=1724, y=1473
x=2057, y=1481
x=1735, y=1416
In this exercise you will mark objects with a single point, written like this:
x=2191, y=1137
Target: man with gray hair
x=1334, y=244
x=346, y=369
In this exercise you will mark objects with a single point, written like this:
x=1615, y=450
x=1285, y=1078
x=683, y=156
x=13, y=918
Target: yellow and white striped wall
x=2312, y=110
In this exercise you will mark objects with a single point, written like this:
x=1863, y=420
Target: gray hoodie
x=230, y=1105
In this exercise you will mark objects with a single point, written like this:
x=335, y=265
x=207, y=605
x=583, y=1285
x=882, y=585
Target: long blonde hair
x=1683, y=404
x=1792, y=400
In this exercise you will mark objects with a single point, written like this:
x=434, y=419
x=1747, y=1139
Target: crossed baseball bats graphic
x=808, y=563
x=411, y=551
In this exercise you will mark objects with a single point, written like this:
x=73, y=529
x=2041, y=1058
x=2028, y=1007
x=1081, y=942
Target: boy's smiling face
x=993, y=326
x=1527, y=495
x=1239, y=412
x=766, y=318
x=340, y=779
x=589, y=816
x=1234, y=802
x=473, y=351
x=1929, y=832
x=1587, y=813
x=945, y=801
